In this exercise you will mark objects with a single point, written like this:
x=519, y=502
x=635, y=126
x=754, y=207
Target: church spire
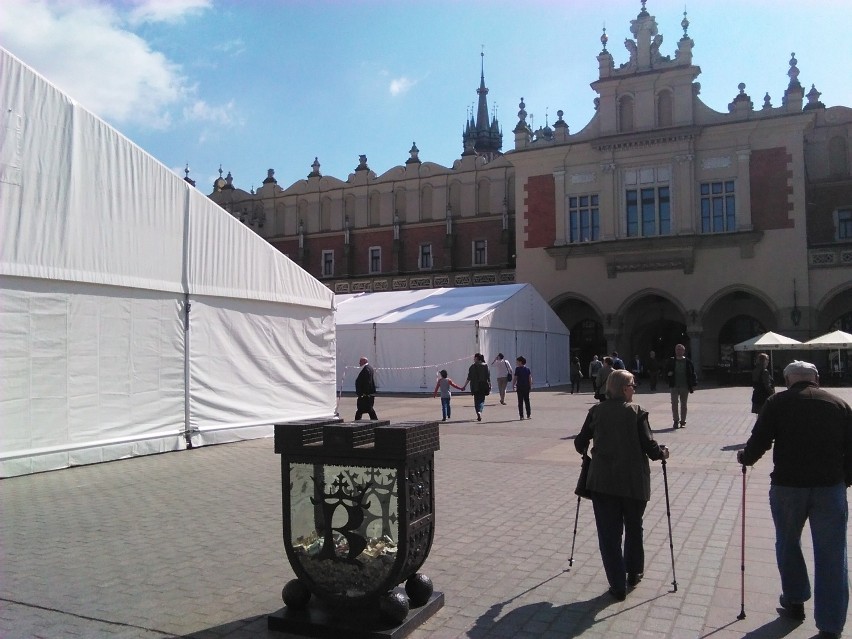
x=482, y=133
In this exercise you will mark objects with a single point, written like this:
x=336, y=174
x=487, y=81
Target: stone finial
x=684, y=24
x=793, y=73
x=362, y=163
x=767, y=101
x=414, y=152
x=522, y=117
x=315, y=169
x=813, y=99
x=604, y=39
x=742, y=102
x=270, y=177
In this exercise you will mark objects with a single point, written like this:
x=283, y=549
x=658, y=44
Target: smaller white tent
x=768, y=341
x=409, y=336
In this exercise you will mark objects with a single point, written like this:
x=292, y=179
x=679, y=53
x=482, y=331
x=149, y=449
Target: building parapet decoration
x=412, y=282
x=830, y=257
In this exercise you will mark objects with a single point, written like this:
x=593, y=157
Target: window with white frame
x=583, y=218
x=718, y=207
x=647, y=202
x=327, y=263
x=375, y=265
x=425, y=256
x=844, y=224
x=479, y=255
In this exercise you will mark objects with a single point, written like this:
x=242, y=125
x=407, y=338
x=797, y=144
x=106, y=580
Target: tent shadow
x=248, y=627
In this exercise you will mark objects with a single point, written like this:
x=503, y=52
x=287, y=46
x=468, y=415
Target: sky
x=257, y=84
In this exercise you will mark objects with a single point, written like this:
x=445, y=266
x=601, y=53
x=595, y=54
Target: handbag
x=508, y=371
x=508, y=377
x=581, y=490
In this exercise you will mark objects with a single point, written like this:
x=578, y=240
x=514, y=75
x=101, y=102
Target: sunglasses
x=632, y=385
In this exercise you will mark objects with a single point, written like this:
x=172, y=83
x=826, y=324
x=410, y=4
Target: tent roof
x=768, y=341
x=835, y=339
x=81, y=203
x=439, y=305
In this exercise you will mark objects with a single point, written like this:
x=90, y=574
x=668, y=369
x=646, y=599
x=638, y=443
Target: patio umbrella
x=768, y=341
x=836, y=340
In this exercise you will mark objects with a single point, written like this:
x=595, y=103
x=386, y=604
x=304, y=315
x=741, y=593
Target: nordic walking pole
x=742, y=614
x=669, y=515
x=576, y=519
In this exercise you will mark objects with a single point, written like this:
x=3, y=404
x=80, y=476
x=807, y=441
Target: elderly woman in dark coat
x=620, y=478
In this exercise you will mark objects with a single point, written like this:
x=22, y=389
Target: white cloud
x=166, y=10
x=200, y=111
x=85, y=49
x=401, y=85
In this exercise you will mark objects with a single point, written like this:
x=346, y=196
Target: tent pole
x=187, y=430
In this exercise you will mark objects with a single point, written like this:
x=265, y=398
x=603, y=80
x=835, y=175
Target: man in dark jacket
x=811, y=430
x=680, y=374
x=365, y=387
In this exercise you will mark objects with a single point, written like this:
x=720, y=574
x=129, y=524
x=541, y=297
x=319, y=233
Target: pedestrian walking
x=602, y=376
x=576, y=374
x=653, y=370
x=365, y=388
x=443, y=386
x=522, y=383
x=620, y=479
x=680, y=373
x=761, y=383
x=594, y=368
x=479, y=378
x=810, y=432
x=503, y=374
x=617, y=362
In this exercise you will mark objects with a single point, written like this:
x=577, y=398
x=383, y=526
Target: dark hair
x=608, y=360
x=443, y=373
x=500, y=355
x=522, y=360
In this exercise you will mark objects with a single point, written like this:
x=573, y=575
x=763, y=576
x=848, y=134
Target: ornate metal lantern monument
x=359, y=518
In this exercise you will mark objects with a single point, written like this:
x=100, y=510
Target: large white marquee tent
x=410, y=335
x=136, y=316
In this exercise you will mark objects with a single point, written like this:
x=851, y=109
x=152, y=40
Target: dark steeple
x=482, y=135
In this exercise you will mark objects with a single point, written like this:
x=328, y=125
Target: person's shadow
x=570, y=620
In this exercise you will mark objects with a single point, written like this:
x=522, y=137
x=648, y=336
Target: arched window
x=426, y=203
x=325, y=214
x=399, y=203
x=375, y=208
x=625, y=113
x=484, y=197
x=665, y=109
x=838, y=158
x=735, y=330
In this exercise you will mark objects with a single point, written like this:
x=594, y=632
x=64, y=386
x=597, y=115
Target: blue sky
x=254, y=85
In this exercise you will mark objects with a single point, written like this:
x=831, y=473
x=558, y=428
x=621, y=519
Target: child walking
x=443, y=384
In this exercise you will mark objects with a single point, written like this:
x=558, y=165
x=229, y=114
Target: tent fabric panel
x=78, y=371
x=257, y=363
x=352, y=342
x=225, y=258
x=70, y=180
x=835, y=340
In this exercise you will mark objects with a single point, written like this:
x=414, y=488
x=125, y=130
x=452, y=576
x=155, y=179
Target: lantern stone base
x=320, y=620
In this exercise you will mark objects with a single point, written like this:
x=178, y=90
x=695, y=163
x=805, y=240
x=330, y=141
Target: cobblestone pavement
x=189, y=544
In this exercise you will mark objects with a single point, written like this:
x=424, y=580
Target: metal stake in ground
x=669, y=515
x=576, y=519
x=742, y=614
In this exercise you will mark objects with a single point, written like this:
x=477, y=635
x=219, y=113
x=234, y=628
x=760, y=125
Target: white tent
x=410, y=335
x=136, y=316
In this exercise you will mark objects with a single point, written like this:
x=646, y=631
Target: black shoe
x=618, y=595
x=825, y=634
x=683, y=424
x=794, y=611
x=634, y=578
x=674, y=426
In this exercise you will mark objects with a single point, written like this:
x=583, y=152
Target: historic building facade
x=660, y=221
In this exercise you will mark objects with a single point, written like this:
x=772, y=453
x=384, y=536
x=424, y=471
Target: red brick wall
x=823, y=200
x=771, y=185
x=413, y=237
x=468, y=231
x=360, y=246
x=540, y=211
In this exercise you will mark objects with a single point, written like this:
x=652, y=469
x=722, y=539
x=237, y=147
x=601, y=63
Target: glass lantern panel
x=344, y=524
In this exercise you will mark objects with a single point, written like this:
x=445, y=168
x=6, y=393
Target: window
x=583, y=218
x=375, y=259
x=625, y=114
x=480, y=252
x=844, y=224
x=425, y=256
x=665, y=109
x=649, y=211
x=718, y=207
x=328, y=263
